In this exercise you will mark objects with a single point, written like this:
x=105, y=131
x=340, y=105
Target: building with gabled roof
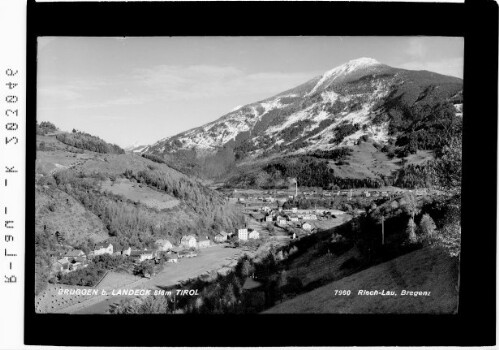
x=101, y=249
x=221, y=237
x=254, y=234
x=141, y=255
x=164, y=244
x=188, y=241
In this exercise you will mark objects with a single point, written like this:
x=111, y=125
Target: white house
x=367, y=194
x=282, y=221
x=100, y=249
x=294, y=218
x=242, y=234
x=127, y=251
x=73, y=254
x=188, y=241
x=254, y=234
x=294, y=210
x=141, y=255
x=306, y=226
x=269, y=218
x=164, y=244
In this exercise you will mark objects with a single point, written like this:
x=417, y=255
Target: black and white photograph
x=227, y=174
x=244, y=175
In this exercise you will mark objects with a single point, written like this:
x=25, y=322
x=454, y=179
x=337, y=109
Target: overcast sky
x=139, y=90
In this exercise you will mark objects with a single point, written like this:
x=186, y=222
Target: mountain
x=135, y=148
x=358, y=98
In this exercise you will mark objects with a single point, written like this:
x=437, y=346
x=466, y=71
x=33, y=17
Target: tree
x=154, y=304
x=270, y=227
x=450, y=164
x=411, y=207
x=427, y=227
x=262, y=179
x=145, y=268
x=229, y=296
x=449, y=238
x=246, y=268
x=411, y=232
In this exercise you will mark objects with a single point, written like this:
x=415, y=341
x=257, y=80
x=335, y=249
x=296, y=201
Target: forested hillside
x=75, y=207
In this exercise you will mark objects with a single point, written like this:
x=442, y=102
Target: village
x=273, y=220
x=264, y=210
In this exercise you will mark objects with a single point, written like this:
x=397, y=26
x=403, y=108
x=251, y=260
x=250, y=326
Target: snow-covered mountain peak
x=361, y=62
x=343, y=70
x=333, y=110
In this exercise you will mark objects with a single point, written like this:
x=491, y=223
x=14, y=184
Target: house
x=282, y=221
x=73, y=254
x=101, y=249
x=221, y=237
x=127, y=251
x=77, y=265
x=164, y=245
x=258, y=217
x=141, y=255
x=61, y=265
x=188, y=241
x=269, y=218
x=242, y=234
x=254, y=234
x=204, y=243
x=294, y=210
x=63, y=261
x=294, y=218
x=367, y=194
x=306, y=226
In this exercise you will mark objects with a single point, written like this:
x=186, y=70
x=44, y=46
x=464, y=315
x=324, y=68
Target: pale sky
x=142, y=89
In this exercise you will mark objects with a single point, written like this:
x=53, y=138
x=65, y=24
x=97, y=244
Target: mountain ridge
x=216, y=134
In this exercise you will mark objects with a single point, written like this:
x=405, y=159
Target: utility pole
x=296, y=187
x=382, y=230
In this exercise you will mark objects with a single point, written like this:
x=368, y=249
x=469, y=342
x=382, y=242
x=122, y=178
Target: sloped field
x=140, y=193
x=427, y=269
